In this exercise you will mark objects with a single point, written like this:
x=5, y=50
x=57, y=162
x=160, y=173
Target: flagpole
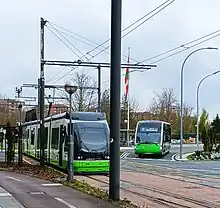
x=128, y=105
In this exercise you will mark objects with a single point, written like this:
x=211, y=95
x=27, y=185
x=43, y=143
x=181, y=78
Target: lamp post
x=181, y=95
x=70, y=89
x=197, y=105
x=20, y=137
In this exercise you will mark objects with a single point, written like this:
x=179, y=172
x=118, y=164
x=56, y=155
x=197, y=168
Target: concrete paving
x=7, y=200
x=36, y=193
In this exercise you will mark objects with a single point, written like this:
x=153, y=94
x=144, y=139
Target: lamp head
x=69, y=88
x=212, y=48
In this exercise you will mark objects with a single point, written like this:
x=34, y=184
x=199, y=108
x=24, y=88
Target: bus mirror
x=138, y=139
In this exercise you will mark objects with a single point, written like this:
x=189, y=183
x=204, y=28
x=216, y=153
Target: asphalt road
x=36, y=193
x=175, y=148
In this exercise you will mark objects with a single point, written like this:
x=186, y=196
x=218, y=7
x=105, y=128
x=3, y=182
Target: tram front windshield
x=94, y=136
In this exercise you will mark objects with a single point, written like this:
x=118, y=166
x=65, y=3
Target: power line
x=63, y=42
x=68, y=41
x=185, y=44
x=184, y=49
x=123, y=31
x=128, y=27
x=134, y=28
x=95, y=44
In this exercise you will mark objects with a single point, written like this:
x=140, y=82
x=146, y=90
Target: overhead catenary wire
x=126, y=33
x=68, y=41
x=63, y=42
x=135, y=27
x=101, y=45
x=166, y=57
x=173, y=49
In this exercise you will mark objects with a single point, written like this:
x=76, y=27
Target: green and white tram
x=152, y=137
x=91, y=141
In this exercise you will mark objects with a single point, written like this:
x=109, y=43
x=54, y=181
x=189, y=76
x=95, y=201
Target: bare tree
x=105, y=103
x=84, y=99
x=163, y=105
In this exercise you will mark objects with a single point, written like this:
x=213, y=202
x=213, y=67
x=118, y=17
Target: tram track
x=198, y=202
x=167, y=177
x=160, y=200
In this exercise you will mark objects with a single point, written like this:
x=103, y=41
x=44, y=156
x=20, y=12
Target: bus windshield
x=149, y=133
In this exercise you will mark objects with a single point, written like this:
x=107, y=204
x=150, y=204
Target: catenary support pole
x=115, y=97
x=42, y=159
x=99, y=88
x=71, y=144
x=20, y=136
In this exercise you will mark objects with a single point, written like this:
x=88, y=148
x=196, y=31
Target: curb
x=176, y=157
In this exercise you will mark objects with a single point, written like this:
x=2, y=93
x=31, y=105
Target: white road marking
x=125, y=155
x=173, y=157
x=13, y=178
x=52, y=184
x=5, y=194
x=146, y=159
x=36, y=193
x=65, y=202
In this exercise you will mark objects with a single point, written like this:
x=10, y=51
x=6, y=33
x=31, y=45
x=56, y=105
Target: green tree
x=203, y=120
x=216, y=131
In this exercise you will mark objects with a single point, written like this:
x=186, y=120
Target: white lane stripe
x=13, y=178
x=36, y=193
x=125, y=154
x=5, y=194
x=52, y=184
x=65, y=202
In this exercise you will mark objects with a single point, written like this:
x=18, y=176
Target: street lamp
x=181, y=95
x=20, y=137
x=197, y=105
x=70, y=89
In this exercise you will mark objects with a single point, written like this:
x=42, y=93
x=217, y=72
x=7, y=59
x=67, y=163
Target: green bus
x=152, y=137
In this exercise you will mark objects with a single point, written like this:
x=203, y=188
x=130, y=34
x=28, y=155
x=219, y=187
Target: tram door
x=61, y=142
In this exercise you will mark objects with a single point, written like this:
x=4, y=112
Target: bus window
x=167, y=133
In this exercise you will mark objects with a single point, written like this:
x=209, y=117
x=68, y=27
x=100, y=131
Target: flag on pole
x=127, y=76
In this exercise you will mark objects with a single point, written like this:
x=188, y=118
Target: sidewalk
x=37, y=193
x=7, y=200
x=184, y=157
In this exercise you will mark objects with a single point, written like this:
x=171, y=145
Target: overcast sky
x=179, y=23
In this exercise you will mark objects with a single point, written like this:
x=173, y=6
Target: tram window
x=32, y=136
x=38, y=138
x=46, y=137
x=27, y=134
x=55, y=138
